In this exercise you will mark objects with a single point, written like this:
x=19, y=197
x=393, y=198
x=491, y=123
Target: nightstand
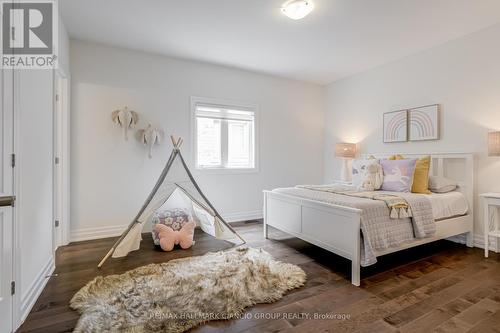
x=490, y=200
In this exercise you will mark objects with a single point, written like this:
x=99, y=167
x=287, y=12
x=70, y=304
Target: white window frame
x=224, y=103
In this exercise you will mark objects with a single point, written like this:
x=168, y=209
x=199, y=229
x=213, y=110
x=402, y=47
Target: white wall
x=111, y=177
x=463, y=76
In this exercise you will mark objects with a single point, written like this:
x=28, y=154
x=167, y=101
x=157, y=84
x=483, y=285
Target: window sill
x=225, y=171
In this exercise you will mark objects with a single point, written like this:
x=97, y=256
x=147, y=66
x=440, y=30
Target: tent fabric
x=131, y=242
x=212, y=225
x=175, y=186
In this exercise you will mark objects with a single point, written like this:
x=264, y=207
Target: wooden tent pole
x=173, y=141
x=110, y=252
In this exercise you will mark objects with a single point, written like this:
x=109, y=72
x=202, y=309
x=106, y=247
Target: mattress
x=447, y=205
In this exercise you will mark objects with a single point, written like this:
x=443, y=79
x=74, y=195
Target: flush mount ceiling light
x=297, y=9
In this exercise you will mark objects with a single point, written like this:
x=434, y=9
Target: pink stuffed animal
x=169, y=237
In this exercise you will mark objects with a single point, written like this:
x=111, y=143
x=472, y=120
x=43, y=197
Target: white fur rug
x=180, y=294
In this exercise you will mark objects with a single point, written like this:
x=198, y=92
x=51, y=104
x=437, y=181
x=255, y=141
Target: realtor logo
x=29, y=34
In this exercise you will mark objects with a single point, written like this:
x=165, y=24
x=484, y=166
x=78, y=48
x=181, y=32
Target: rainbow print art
x=424, y=123
x=396, y=126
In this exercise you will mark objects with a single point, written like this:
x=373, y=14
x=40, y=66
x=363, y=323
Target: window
x=224, y=135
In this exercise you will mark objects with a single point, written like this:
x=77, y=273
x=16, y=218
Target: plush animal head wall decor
x=151, y=136
x=126, y=118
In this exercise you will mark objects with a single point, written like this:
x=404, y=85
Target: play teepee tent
x=175, y=186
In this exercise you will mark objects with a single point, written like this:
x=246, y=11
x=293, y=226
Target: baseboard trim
x=96, y=232
x=84, y=234
x=29, y=298
x=243, y=216
x=478, y=241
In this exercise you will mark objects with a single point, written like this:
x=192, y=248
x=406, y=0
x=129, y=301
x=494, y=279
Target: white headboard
x=456, y=166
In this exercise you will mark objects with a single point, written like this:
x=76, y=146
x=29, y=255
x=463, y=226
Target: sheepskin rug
x=183, y=293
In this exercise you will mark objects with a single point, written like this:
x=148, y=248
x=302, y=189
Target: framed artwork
x=396, y=126
x=424, y=123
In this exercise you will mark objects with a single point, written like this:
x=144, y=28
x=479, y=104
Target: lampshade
x=346, y=150
x=494, y=144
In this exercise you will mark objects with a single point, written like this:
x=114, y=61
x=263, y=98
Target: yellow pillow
x=396, y=157
x=421, y=175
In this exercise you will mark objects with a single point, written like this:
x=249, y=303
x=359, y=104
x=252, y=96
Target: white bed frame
x=337, y=228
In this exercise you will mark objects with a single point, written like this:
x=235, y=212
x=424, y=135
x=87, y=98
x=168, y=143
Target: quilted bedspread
x=378, y=230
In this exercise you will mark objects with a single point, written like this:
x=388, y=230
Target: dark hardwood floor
x=439, y=287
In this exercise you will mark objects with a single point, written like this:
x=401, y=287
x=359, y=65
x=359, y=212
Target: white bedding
x=446, y=205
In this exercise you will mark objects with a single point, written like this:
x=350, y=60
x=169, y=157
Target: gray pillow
x=174, y=218
x=439, y=184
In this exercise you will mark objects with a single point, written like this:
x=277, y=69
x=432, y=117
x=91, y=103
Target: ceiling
x=338, y=39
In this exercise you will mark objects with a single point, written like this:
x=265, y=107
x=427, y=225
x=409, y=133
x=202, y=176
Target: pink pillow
x=169, y=237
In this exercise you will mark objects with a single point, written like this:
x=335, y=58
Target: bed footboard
x=332, y=227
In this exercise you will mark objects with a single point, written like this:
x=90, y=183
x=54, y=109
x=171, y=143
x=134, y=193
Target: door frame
x=62, y=199
x=16, y=306
x=7, y=101
x=8, y=104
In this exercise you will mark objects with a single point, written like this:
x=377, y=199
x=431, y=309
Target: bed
x=334, y=221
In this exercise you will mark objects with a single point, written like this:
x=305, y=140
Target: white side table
x=490, y=200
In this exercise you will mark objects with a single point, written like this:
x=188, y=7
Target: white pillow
x=358, y=170
x=439, y=184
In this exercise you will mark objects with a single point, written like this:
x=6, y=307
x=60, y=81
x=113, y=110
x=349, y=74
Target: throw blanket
x=378, y=231
x=397, y=205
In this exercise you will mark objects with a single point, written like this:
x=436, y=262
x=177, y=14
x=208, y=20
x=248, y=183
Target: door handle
x=7, y=201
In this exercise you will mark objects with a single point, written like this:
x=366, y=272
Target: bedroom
x=274, y=112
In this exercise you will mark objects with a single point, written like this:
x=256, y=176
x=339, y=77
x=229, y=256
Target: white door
x=6, y=200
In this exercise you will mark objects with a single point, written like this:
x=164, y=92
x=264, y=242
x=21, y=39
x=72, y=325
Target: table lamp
x=494, y=144
x=346, y=151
